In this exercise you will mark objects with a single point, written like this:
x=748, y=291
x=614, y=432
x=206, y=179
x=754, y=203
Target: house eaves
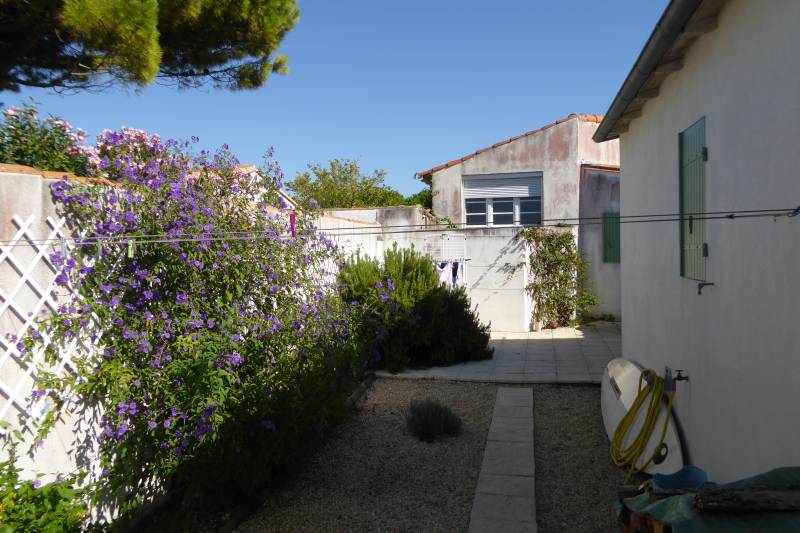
x=426, y=175
x=682, y=22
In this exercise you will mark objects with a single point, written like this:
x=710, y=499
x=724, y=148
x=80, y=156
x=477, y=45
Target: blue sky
x=402, y=86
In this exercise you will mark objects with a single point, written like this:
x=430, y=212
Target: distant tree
x=92, y=44
x=423, y=198
x=341, y=183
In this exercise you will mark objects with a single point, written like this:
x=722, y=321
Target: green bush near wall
x=421, y=322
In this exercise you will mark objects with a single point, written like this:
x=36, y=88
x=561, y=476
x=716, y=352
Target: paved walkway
x=563, y=355
x=505, y=496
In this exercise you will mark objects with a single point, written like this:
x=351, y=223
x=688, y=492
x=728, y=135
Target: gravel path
x=372, y=475
x=576, y=482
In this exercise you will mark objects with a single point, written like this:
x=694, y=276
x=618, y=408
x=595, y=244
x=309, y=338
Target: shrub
x=48, y=144
x=221, y=348
x=429, y=420
x=418, y=321
x=448, y=331
x=412, y=272
x=36, y=507
x=559, y=273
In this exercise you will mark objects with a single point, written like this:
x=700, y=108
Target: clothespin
x=131, y=247
x=64, y=247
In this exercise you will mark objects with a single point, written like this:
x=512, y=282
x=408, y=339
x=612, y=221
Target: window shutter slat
x=519, y=187
x=611, y=240
x=692, y=201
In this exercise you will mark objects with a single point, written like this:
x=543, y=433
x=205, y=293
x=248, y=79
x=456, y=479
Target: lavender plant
x=220, y=348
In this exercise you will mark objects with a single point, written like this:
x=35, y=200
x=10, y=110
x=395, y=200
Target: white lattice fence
x=28, y=293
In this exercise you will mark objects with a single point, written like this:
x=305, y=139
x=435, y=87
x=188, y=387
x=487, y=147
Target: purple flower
x=62, y=279
x=106, y=288
x=38, y=394
x=378, y=284
x=152, y=425
x=182, y=298
x=37, y=483
x=390, y=284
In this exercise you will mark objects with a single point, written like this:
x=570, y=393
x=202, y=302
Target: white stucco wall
x=599, y=193
x=557, y=151
x=738, y=341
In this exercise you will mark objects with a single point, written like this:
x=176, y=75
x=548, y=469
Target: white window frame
x=489, y=212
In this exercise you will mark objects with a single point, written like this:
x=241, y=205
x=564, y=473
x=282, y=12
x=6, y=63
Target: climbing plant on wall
x=557, y=272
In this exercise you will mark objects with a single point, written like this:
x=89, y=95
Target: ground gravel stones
x=576, y=483
x=372, y=475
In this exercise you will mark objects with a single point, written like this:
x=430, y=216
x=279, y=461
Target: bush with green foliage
x=447, y=330
x=422, y=198
x=31, y=506
x=429, y=420
x=47, y=144
x=422, y=323
x=558, y=272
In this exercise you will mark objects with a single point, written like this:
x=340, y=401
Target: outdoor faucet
x=703, y=284
x=679, y=376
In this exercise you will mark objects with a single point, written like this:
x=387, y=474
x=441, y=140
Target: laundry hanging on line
x=451, y=273
x=445, y=271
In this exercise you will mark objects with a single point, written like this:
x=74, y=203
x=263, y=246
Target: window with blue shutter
x=692, y=148
x=611, y=252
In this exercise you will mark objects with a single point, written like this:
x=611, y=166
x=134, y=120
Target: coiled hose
x=628, y=457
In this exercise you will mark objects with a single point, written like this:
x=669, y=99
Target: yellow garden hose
x=628, y=457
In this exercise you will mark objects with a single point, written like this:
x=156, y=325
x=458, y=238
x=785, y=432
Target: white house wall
x=738, y=341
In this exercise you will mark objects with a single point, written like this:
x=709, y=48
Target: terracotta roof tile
x=53, y=174
x=582, y=117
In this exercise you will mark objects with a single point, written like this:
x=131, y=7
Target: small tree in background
x=341, y=183
x=85, y=44
x=423, y=198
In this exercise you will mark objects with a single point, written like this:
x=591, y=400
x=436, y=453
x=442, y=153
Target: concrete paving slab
x=503, y=507
x=506, y=485
x=487, y=525
x=510, y=430
x=508, y=458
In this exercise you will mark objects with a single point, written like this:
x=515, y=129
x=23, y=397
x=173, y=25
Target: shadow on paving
x=576, y=483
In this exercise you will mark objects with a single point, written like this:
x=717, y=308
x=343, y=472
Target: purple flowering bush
x=222, y=343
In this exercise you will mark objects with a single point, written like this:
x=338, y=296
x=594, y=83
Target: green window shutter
x=611, y=237
x=692, y=146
